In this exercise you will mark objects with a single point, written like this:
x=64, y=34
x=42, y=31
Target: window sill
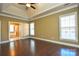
x=69, y=41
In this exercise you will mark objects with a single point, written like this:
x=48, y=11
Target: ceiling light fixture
x=28, y=5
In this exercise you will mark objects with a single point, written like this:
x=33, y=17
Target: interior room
x=39, y=29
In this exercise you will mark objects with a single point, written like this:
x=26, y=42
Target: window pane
x=31, y=28
x=64, y=21
x=72, y=20
x=68, y=33
x=67, y=21
x=11, y=28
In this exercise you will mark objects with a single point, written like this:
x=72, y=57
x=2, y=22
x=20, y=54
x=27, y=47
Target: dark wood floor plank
x=32, y=47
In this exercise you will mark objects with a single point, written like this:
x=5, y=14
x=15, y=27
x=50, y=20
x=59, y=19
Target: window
x=32, y=28
x=11, y=28
x=68, y=26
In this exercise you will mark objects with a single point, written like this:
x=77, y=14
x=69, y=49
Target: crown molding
x=3, y=12
x=53, y=12
x=13, y=16
x=42, y=14
x=48, y=9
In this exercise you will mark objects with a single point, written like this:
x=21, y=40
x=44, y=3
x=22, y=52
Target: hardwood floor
x=32, y=47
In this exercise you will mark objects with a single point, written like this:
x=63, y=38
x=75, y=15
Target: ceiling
x=18, y=11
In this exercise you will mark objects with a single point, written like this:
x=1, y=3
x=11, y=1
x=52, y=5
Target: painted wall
x=5, y=28
x=48, y=27
x=0, y=31
x=24, y=29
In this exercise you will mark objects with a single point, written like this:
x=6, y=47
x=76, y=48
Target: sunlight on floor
x=67, y=52
x=32, y=45
x=12, y=48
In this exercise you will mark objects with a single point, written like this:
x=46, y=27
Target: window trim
x=76, y=27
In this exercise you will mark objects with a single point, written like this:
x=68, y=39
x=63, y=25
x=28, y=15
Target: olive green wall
x=48, y=27
x=4, y=26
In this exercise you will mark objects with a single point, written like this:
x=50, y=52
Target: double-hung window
x=68, y=27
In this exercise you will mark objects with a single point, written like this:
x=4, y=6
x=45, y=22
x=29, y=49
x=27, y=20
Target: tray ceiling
x=19, y=11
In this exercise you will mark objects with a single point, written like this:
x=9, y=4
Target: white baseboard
x=57, y=42
x=2, y=42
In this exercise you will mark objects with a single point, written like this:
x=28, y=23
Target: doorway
x=18, y=30
x=13, y=30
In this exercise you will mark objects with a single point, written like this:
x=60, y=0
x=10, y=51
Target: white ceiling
x=41, y=7
x=20, y=11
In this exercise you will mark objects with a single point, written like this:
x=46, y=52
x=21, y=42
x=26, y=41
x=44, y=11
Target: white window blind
x=68, y=26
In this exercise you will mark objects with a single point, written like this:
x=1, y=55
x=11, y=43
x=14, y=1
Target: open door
x=18, y=30
x=13, y=30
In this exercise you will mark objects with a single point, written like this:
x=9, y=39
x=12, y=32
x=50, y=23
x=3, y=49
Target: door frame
x=0, y=31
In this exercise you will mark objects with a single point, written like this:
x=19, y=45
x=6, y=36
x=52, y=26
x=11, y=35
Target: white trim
x=48, y=9
x=57, y=42
x=67, y=14
x=21, y=18
x=2, y=42
x=40, y=16
x=54, y=12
